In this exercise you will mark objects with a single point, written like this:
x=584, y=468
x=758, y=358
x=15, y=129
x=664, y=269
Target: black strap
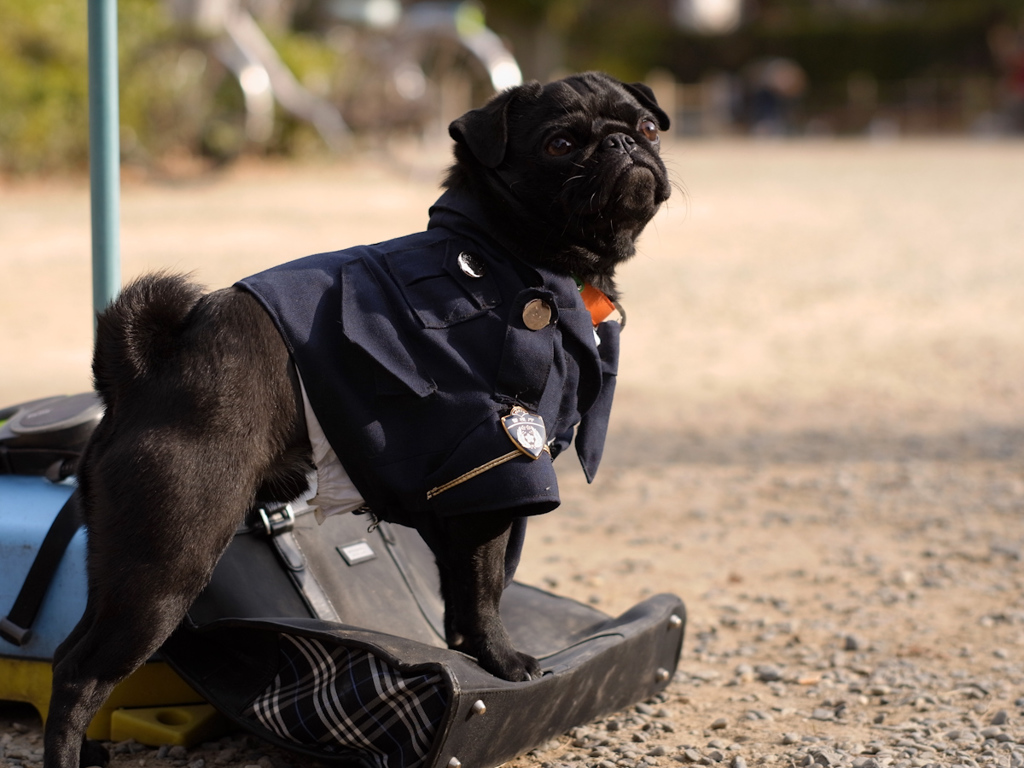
x=16, y=627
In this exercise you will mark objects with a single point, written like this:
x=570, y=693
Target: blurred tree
x=831, y=38
x=44, y=112
x=538, y=31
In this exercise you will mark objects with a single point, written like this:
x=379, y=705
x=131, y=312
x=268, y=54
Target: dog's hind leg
x=92, y=752
x=130, y=617
x=203, y=414
x=105, y=654
x=147, y=563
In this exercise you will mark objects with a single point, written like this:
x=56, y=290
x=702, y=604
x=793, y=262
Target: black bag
x=329, y=640
x=355, y=668
x=46, y=436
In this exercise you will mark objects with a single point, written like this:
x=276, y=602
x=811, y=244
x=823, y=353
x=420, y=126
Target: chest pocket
x=445, y=286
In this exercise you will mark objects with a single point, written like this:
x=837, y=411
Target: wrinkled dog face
x=589, y=149
x=575, y=164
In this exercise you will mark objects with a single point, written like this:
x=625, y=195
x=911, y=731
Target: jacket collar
x=461, y=213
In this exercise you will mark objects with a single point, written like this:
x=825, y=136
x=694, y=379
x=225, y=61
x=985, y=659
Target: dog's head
x=570, y=172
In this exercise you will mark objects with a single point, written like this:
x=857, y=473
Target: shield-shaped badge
x=526, y=431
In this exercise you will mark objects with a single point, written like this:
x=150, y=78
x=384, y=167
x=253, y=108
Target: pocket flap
x=445, y=285
x=371, y=316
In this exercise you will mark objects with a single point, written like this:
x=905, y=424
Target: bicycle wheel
x=461, y=71
x=182, y=110
x=379, y=88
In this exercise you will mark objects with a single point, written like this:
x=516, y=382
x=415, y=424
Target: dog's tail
x=140, y=330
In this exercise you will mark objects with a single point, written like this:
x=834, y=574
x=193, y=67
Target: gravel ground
x=817, y=439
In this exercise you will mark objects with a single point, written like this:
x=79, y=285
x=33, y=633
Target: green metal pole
x=104, y=153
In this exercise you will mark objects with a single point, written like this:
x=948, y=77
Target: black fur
x=204, y=413
x=580, y=212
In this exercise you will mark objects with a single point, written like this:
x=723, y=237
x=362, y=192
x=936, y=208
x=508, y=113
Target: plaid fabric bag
x=392, y=717
x=329, y=641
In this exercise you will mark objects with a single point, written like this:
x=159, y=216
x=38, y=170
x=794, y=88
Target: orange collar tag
x=600, y=306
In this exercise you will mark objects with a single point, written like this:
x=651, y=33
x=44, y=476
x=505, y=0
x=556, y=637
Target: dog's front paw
x=511, y=665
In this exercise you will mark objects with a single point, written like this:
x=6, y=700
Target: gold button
x=537, y=314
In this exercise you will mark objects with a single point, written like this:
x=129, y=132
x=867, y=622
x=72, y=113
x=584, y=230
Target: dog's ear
x=484, y=131
x=645, y=96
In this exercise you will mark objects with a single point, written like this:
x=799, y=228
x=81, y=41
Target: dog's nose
x=620, y=142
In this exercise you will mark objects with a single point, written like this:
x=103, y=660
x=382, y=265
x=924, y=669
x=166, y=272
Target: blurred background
x=915, y=201
x=204, y=81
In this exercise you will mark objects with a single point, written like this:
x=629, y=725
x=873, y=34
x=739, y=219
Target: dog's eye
x=649, y=128
x=560, y=146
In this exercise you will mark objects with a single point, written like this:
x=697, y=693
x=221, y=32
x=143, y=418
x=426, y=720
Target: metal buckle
x=277, y=520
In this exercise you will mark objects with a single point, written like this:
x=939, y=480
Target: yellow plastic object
x=152, y=685
x=182, y=725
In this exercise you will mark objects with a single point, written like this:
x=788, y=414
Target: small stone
x=645, y=709
x=658, y=751
x=999, y=718
x=767, y=673
x=639, y=738
x=823, y=714
x=691, y=756
x=612, y=725
x=197, y=763
x=180, y=753
x=790, y=738
x=739, y=762
x=719, y=724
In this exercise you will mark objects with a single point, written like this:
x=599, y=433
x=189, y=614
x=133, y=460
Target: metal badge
x=526, y=431
x=471, y=266
x=357, y=552
x=537, y=314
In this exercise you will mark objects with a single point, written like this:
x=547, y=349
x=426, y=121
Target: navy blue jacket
x=409, y=362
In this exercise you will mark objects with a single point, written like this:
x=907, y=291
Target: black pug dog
x=446, y=370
